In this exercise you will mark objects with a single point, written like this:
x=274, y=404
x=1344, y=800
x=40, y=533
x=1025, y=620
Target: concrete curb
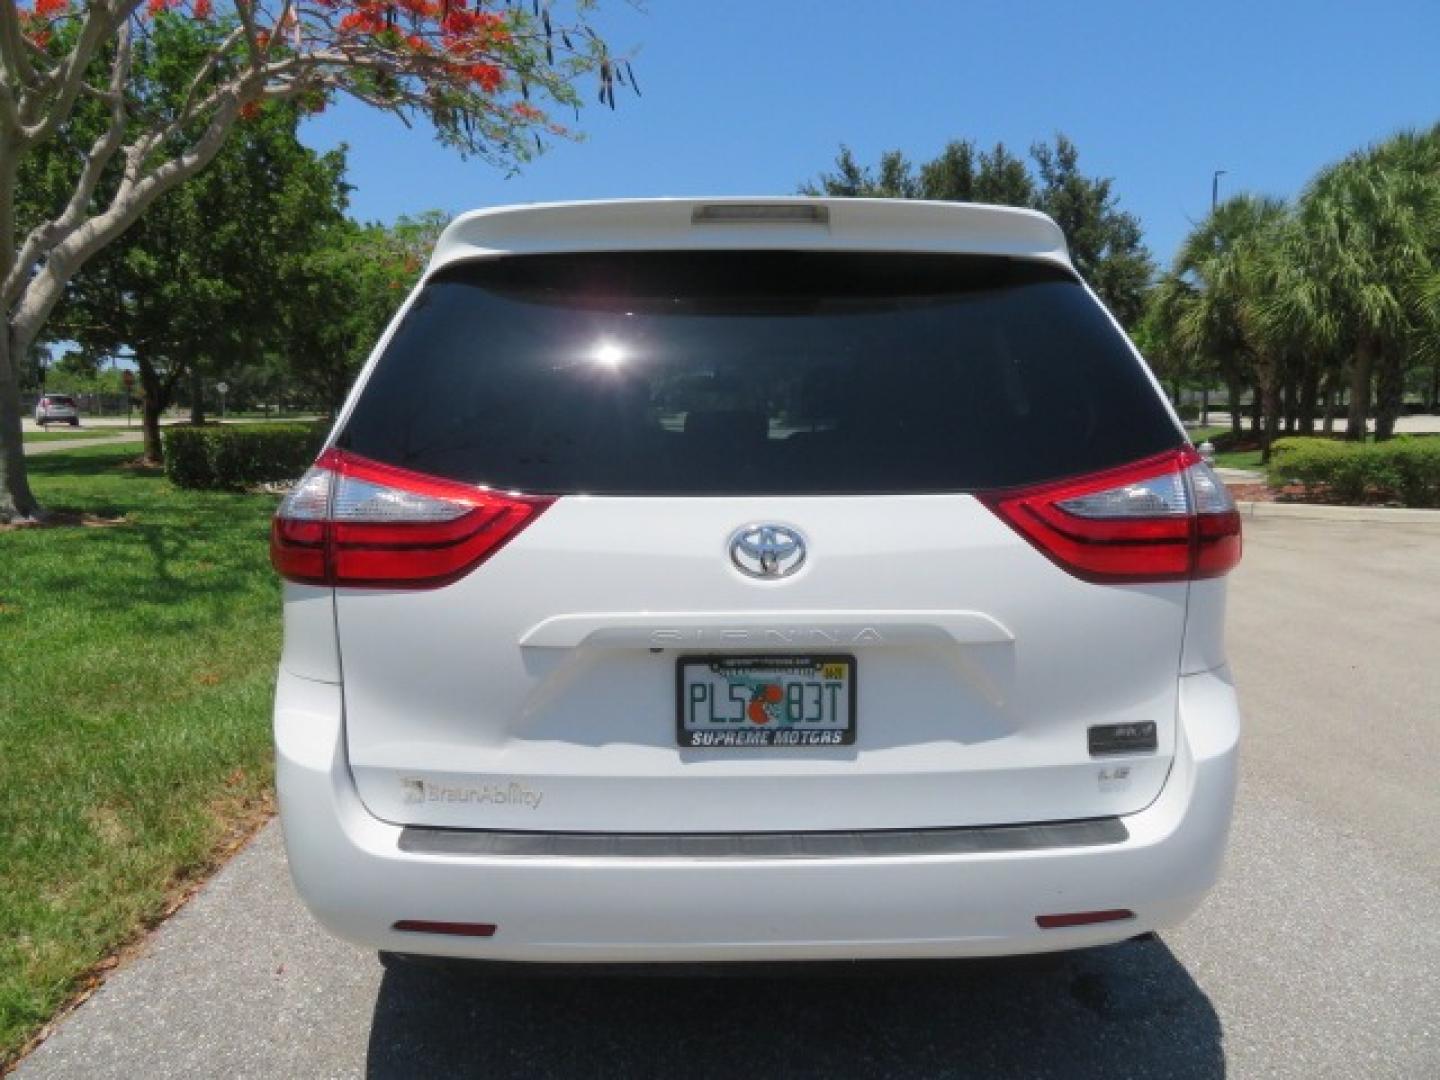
x=1239, y=476
x=1319, y=512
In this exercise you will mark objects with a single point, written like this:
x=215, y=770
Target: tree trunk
x=1205, y=405
x=16, y=499
x=1232, y=388
x=1270, y=411
x=17, y=502
x=335, y=400
x=1290, y=397
x=1359, y=392
x=1389, y=394
x=152, y=404
x=1257, y=410
x=1309, y=397
x=197, y=397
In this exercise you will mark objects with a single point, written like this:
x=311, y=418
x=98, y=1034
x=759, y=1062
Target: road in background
x=1316, y=956
x=1420, y=424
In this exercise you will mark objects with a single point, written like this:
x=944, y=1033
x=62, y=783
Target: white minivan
x=696, y=580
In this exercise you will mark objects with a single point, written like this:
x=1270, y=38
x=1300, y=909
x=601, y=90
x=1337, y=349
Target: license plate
x=727, y=701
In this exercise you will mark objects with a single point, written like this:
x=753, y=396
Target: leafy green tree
x=194, y=287
x=1214, y=304
x=341, y=295
x=479, y=73
x=77, y=372
x=1154, y=335
x=1105, y=242
x=1366, y=262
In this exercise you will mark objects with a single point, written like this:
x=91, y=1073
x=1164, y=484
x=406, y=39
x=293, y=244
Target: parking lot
x=1317, y=956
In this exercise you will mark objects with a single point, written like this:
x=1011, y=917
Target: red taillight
x=352, y=521
x=1167, y=518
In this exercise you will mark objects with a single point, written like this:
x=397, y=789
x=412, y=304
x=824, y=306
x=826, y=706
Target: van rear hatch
x=608, y=650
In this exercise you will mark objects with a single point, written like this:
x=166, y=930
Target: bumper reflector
x=1082, y=918
x=455, y=929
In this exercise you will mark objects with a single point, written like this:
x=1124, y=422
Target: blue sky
x=746, y=97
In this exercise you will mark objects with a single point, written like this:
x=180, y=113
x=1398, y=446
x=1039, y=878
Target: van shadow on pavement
x=1123, y=1010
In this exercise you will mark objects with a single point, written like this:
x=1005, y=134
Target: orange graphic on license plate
x=764, y=706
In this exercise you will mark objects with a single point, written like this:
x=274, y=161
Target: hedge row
x=232, y=456
x=1404, y=470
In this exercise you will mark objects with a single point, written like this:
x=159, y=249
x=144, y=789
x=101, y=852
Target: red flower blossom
x=365, y=21
x=155, y=7
x=203, y=9
x=486, y=76
x=47, y=8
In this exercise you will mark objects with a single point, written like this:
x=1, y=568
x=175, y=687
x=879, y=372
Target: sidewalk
x=34, y=448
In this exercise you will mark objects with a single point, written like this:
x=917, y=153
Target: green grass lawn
x=1240, y=459
x=76, y=433
x=1233, y=459
x=138, y=661
x=1199, y=435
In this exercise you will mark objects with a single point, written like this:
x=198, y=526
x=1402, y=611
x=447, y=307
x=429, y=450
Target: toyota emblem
x=767, y=551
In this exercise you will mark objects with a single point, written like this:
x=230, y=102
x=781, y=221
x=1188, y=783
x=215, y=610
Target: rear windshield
x=710, y=373
x=53, y=400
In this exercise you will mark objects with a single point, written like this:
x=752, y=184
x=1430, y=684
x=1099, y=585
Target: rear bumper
x=354, y=875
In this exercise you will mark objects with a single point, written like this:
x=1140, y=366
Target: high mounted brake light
x=1166, y=518
x=760, y=214
x=355, y=522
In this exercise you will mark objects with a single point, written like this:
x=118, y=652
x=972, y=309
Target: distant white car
x=763, y=579
x=57, y=409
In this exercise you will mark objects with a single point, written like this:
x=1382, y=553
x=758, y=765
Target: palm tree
x=1363, y=264
x=1215, y=299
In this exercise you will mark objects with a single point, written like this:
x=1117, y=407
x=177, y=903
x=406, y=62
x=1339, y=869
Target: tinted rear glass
x=708, y=373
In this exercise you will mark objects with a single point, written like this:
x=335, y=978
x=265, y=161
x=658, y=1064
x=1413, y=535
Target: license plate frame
x=779, y=732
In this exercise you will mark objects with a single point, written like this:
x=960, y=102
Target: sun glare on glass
x=609, y=354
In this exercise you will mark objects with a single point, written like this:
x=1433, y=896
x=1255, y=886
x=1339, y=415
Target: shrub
x=1405, y=470
x=1417, y=470
x=234, y=456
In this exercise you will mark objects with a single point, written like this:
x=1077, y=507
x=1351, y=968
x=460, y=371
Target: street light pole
x=1205, y=391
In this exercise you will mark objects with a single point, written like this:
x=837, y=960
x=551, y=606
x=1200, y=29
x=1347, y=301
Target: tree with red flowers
x=485, y=75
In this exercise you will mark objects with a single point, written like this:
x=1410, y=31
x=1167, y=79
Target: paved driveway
x=1318, y=956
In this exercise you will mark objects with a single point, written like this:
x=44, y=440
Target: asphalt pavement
x=1317, y=956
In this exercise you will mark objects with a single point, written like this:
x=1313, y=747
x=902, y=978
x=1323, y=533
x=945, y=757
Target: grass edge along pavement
x=139, y=659
x=65, y=434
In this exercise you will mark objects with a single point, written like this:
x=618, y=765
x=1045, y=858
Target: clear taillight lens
x=1167, y=518
x=355, y=522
